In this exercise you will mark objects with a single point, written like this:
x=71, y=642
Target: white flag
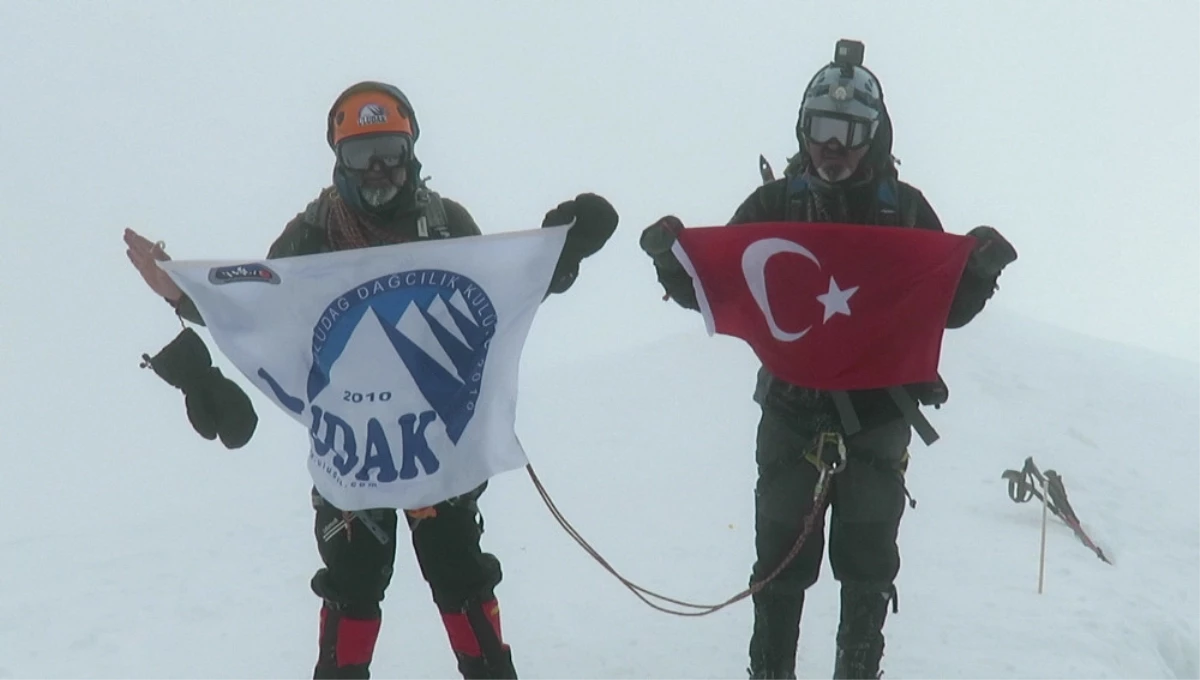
x=401, y=360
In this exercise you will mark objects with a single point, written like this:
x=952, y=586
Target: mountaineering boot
x=347, y=643
x=482, y=667
x=477, y=642
x=776, y=632
x=860, y=631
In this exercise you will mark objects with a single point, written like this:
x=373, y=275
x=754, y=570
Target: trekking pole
x=1042, y=556
x=1023, y=486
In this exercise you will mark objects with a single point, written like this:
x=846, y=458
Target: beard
x=834, y=172
x=835, y=165
x=377, y=189
x=378, y=196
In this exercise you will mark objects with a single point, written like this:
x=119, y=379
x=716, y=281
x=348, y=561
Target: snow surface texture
x=148, y=552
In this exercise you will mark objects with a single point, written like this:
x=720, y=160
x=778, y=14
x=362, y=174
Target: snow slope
x=134, y=549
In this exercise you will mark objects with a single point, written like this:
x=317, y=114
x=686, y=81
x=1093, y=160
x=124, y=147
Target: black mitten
x=183, y=362
x=202, y=413
x=216, y=406
x=593, y=221
x=992, y=252
x=565, y=273
x=656, y=241
x=236, y=419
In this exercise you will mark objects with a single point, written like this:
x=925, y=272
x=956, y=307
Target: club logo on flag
x=437, y=325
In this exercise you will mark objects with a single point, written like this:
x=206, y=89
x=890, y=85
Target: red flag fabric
x=829, y=306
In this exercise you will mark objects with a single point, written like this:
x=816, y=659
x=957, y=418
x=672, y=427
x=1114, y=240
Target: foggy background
x=1072, y=127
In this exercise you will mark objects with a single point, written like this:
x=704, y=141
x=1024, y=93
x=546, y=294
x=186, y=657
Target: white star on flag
x=836, y=301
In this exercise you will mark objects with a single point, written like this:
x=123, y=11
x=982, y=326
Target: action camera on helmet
x=848, y=53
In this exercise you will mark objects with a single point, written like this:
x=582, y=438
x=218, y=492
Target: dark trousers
x=867, y=499
x=358, y=568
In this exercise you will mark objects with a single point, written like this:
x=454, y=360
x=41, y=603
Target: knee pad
x=359, y=605
x=453, y=593
x=491, y=566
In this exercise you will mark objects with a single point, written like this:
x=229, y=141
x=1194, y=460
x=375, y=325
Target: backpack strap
x=908, y=213
x=891, y=208
x=797, y=197
x=887, y=203
x=912, y=414
x=433, y=215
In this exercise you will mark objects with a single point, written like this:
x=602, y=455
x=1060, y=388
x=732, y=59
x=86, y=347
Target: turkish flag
x=829, y=306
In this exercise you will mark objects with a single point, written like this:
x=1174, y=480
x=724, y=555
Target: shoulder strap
x=896, y=206
x=908, y=211
x=796, y=197
x=887, y=203
x=912, y=414
x=433, y=215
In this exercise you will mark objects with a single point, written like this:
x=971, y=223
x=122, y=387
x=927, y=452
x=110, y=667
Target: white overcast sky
x=1071, y=126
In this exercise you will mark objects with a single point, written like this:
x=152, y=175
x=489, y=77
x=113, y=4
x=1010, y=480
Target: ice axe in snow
x=1029, y=482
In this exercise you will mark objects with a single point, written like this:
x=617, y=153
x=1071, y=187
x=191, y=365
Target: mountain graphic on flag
x=433, y=331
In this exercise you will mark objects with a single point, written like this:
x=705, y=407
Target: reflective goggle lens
x=357, y=153
x=850, y=133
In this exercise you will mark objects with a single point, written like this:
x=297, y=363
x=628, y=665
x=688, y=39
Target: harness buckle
x=829, y=457
x=831, y=451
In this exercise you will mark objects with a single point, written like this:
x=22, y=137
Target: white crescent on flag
x=401, y=361
x=754, y=268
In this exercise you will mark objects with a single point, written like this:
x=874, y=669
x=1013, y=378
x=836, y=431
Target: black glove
x=656, y=240
x=930, y=393
x=991, y=254
x=593, y=221
x=216, y=406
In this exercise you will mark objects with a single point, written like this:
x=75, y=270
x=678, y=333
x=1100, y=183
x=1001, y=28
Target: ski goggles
x=852, y=132
x=358, y=153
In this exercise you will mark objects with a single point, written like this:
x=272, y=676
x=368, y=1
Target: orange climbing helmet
x=370, y=108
